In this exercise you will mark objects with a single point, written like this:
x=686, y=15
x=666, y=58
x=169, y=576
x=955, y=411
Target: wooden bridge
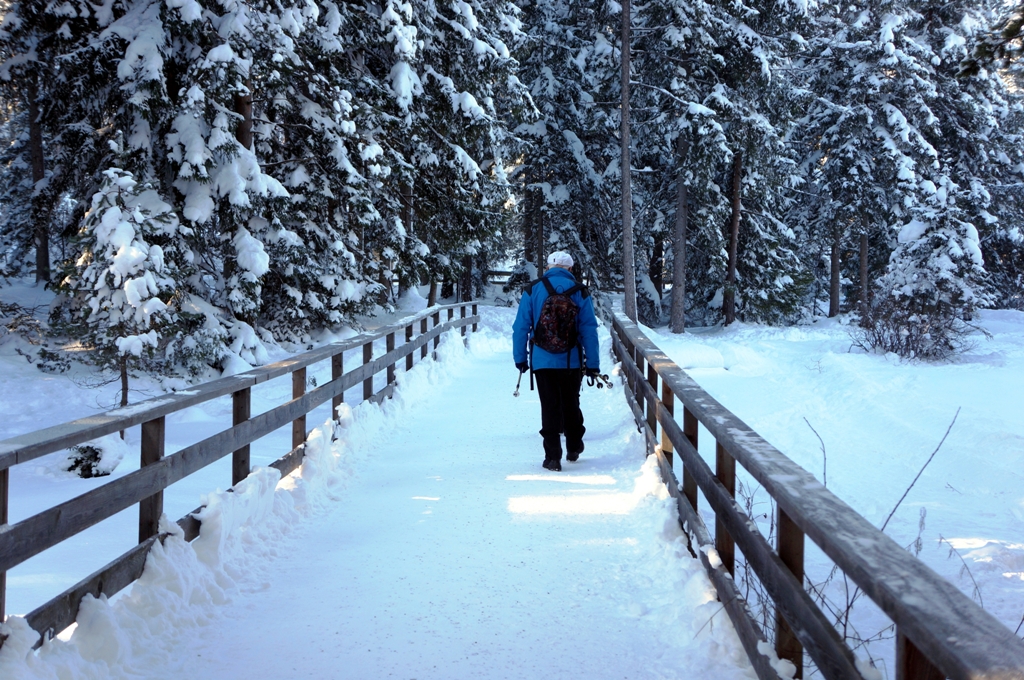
x=940, y=632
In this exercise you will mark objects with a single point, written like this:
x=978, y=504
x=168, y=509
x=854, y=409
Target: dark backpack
x=555, y=330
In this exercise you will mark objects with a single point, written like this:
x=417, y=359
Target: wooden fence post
x=790, y=547
x=652, y=407
x=241, y=410
x=725, y=470
x=690, y=424
x=389, y=344
x=475, y=312
x=152, y=507
x=437, y=338
x=337, y=370
x=423, y=331
x=408, y=339
x=462, y=315
x=299, y=424
x=668, y=403
x=638, y=395
x=911, y=664
x=5, y=494
x=368, y=383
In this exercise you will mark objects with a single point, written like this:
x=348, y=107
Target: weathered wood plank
x=57, y=614
x=651, y=407
x=337, y=370
x=241, y=410
x=30, y=446
x=287, y=463
x=725, y=472
x=151, y=507
x=833, y=658
x=389, y=346
x=911, y=664
x=26, y=447
x=46, y=529
x=667, y=403
x=411, y=355
x=735, y=606
x=60, y=612
x=299, y=424
x=930, y=610
x=386, y=393
x=423, y=331
x=791, y=552
x=691, y=429
x=368, y=382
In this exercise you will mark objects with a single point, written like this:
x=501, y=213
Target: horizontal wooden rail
x=145, y=486
x=941, y=630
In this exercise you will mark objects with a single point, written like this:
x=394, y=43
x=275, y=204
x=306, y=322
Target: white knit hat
x=560, y=258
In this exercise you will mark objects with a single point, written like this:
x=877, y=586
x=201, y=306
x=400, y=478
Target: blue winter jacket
x=529, y=311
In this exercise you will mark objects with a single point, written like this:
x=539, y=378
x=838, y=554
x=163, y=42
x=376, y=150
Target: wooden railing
x=940, y=632
x=145, y=486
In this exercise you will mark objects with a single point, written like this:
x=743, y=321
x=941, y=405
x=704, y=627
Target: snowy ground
x=426, y=542
x=429, y=542
x=880, y=419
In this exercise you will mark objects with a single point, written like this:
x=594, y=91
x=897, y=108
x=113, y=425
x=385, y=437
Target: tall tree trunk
x=628, y=261
x=384, y=279
x=243, y=107
x=679, y=243
x=466, y=285
x=865, y=287
x=834, y=275
x=35, y=143
x=538, y=229
x=529, y=240
x=657, y=265
x=729, y=300
x=123, y=366
x=407, y=278
x=432, y=295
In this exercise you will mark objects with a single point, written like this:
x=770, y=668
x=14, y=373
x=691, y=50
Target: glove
x=593, y=372
x=522, y=366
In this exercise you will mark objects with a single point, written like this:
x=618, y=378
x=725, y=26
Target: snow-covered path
x=428, y=543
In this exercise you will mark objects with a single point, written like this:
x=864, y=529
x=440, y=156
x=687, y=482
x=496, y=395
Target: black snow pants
x=559, y=391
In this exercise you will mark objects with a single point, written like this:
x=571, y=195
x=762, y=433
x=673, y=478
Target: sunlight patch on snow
x=425, y=498
x=607, y=541
x=599, y=504
x=592, y=480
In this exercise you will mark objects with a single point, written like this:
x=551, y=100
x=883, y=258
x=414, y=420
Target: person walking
x=555, y=337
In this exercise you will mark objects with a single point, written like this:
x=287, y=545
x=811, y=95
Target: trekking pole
x=516, y=393
x=599, y=381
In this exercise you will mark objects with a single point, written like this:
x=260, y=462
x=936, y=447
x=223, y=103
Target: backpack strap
x=528, y=288
x=549, y=286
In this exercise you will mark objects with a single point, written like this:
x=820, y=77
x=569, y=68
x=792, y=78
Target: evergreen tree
x=119, y=298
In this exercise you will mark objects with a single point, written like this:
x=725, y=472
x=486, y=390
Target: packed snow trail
x=426, y=542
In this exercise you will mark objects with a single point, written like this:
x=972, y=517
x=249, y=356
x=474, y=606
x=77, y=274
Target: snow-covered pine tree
x=569, y=174
x=900, y=150
x=120, y=298
x=712, y=74
x=55, y=111
x=454, y=116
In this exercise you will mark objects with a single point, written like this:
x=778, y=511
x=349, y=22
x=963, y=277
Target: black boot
x=552, y=464
x=573, y=456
